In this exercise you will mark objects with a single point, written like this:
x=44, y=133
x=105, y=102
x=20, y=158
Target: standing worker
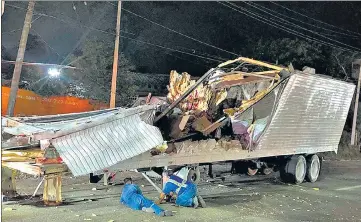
x=132, y=197
x=183, y=191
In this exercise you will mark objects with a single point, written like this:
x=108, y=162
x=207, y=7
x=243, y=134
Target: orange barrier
x=29, y=103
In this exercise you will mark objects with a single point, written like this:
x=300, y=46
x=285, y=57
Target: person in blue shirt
x=132, y=197
x=183, y=191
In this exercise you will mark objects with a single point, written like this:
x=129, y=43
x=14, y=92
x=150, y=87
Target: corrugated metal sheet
x=117, y=138
x=39, y=124
x=104, y=145
x=71, y=122
x=311, y=114
x=97, y=140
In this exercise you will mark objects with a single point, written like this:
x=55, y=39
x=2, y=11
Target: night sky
x=209, y=22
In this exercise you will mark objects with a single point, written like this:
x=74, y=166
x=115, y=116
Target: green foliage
x=285, y=51
x=300, y=53
x=340, y=62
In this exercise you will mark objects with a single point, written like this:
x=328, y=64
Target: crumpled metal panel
x=38, y=124
x=92, y=141
x=104, y=145
x=310, y=115
x=53, y=123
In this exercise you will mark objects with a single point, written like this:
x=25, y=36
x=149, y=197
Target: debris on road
x=9, y=209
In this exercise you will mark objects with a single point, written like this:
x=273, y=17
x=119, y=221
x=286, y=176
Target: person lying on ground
x=183, y=191
x=132, y=197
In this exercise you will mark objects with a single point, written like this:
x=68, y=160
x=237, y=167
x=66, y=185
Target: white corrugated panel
x=104, y=145
x=311, y=114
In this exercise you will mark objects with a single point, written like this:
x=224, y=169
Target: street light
x=53, y=72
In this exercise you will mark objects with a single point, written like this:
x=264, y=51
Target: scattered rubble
x=220, y=104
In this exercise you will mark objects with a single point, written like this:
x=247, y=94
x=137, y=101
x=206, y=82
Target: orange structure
x=29, y=103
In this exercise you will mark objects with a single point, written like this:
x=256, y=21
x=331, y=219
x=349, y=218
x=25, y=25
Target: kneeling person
x=184, y=192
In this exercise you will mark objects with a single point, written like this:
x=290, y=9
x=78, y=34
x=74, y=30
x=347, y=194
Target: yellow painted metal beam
x=251, y=61
x=259, y=63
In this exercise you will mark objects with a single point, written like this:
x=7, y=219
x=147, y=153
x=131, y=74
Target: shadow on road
x=230, y=198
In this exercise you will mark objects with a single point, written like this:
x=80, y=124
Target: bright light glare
x=53, y=72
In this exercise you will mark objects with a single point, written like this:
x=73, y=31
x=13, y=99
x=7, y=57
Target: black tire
x=313, y=168
x=267, y=170
x=294, y=171
x=194, y=175
x=95, y=178
x=251, y=171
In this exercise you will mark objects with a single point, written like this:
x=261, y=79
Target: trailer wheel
x=313, y=168
x=295, y=170
x=251, y=172
x=194, y=175
x=267, y=170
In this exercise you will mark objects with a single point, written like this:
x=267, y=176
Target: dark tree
x=94, y=72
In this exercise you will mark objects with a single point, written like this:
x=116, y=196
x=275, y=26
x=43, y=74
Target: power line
x=70, y=23
x=45, y=42
x=264, y=20
x=15, y=30
x=314, y=19
x=84, y=35
x=147, y=43
x=330, y=30
x=203, y=53
x=172, y=30
x=36, y=19
x=185, y=59
x=316, y=33
x=163, y=47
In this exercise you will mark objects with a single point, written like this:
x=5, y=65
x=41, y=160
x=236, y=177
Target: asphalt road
x=337, y=197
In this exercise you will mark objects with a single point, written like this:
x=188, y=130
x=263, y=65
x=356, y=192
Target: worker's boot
x=195, y=202
x=202, y=203
x=148, y=210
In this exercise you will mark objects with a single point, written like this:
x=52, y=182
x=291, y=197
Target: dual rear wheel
x=298, y=168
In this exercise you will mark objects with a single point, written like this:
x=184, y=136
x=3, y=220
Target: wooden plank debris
x=8, y=185
x=185, y=94
x=214, y=126
x=23, y=167
x=201, y=124
x=52, y=189
x=183, y=122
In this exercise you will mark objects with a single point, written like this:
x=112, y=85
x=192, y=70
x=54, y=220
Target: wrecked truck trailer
x=274, y=118
x=255, y=114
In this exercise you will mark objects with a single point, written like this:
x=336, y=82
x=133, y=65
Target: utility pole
x=353, y=133
x=19, y=59
x=115, y=62
x=2, y=7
